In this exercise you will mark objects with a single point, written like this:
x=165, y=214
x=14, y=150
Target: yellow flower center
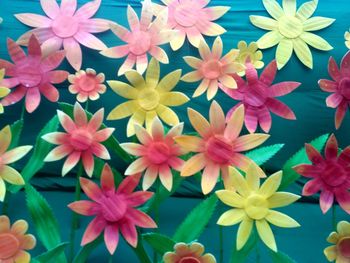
x=212, y=69
x=81, y=140
x=256, y=207
x=148, y=99
x=290, y=26
x=9, y=245
x=189, y=259
x=344, y=247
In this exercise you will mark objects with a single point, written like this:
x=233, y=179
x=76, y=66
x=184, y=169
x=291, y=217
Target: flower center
x=189, y=260
x=344, y=247
x=333, y=174
x=212, y=69
x=290, y=26
x=344, y=87
x=148, y=99
x=255, y=95
x=81, y=140
x=113, y=207
x=140, y=42
x=186, y=15
x=219, y=149
x=9, y=245
x=158, y=152
x=256, y=207
x=29, y=75
x=87, y=82
x=65, y=26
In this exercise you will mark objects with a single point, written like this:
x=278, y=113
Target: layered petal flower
x=81, y=141
x=340, y=250
x=253, y=203
x=193, y=252
x=4, y=91
x=249, y=53
x=291, y=30
x=258, y=95
x=115, y=209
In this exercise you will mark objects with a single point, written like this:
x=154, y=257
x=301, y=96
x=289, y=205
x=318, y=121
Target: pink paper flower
x=258, y=97
x=65, y=26
x=340, y=87
x=144, y=38
x=157, y=153
x=81, y=141
x=330, y=175
x=114, y=209
x=87, y=85
x=32, y=75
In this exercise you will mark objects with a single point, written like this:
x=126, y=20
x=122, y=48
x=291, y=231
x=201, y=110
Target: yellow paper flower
x=347, y=39
x=253, y=203
x=290, y=30
x=148, y=97
x=249, y=52
x=340, y=251
x=3, y=90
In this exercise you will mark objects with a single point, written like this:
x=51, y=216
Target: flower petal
x=199, y=123
x=194, y=165
x=15, y=154
x=32, y=100
x=210, y=177
x=306, y=10
x=271, y=184
x=11, y=176
x=317, y=23
x=73, y=52
x=326, y=200
x=70, y=162
x=264, y=22
x=316, y=41
x=312, y=187
x=235, y=123
x=270, y=39
x=303, y=52
x=138, y=166
x=281, y=199
x=279, y=219
x=230, y=198
x=243, y=233
x=129, y=232
x=284, y=52
x=190, y=143
x=273, y=8
x=34, y=20
x=84, y=207
x=173, y=98
x=231, y=217
x=111, y=237
x=266, y=234
x=93, y=230
x=280, y=109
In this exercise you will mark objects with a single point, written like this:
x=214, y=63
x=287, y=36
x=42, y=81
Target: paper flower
x=253, y=203
x=192, y=19
x=65, y=26
x=290, y=30
x=87, y=85
x=31, y=75
x=330, y=175
x=218, y=147
x=81, y=141
x=347, y=39
x=340, y=251
x=7, y=157
x=258, y=97
x=339, y=86
x=114, y=209
x=193, y=252
x=212, y=69
x=249, y=53
x=157, y=154
x=148, y=97
x=4, y=91
x=145, y=37
x=14, y=241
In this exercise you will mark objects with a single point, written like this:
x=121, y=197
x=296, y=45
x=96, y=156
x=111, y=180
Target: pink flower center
x=212, y=69
x=219, y=149
x=65, y=26
x=29, y=75
x=140, y=42
x=9, y=245
x=186, y=15
x=333, y=174
x=255, y=95
x=344, y=87
x=158, y=152
x=113, y=207
x=189, y=259
x=81, y=140
x=87, y=82
x=344, y=247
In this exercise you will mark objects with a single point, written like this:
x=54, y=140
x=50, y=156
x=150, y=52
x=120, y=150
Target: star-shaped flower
x=65, y=26
x=249, y=53
x=290, y=30
x=339, y=252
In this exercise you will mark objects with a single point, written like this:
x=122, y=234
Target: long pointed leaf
x=159, y=242
x=51, y=255
x=281, y=257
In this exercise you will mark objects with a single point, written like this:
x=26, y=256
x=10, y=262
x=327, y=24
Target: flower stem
x=23, y=111
x=334, y=218
x=156, y=219
x=141, y=252
x=110, y=260
x=221, y=240
x=5, y=204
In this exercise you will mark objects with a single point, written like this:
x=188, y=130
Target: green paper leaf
x=159, y=243
x=85, y=251
x=52, y=254
x=16, y=130
x=240, y=256
x=280, y=257
x=289, y=175
x=261, y=155
x=194, y=224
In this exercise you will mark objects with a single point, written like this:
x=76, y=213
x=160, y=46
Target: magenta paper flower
x=81, y=141
x=32, y=75
x=65, y=26
x=144, y=38
x=157, y=153
x=330, y=175
x=192, y=19
x=114, y=209
x=340, y=87
x=258, y=97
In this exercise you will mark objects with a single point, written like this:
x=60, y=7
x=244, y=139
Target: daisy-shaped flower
x=87, y=85
x=212, y=69
x=81, y=141
x=258, y=95
x=291, y=29
x=148, y=97
x=7, y=157
x=14, y=241
x=114, y=209
x=330, y=175
x=192, y=19
x=157, y=154
x=4, y=91
x=347, y=39
x=340, y=251
x=193, y=252
x=144, y=38
x=339, y=86
x=65, y=26
x=218, y=147
x=253, y=203
x=249, y=53
x=32, y=75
